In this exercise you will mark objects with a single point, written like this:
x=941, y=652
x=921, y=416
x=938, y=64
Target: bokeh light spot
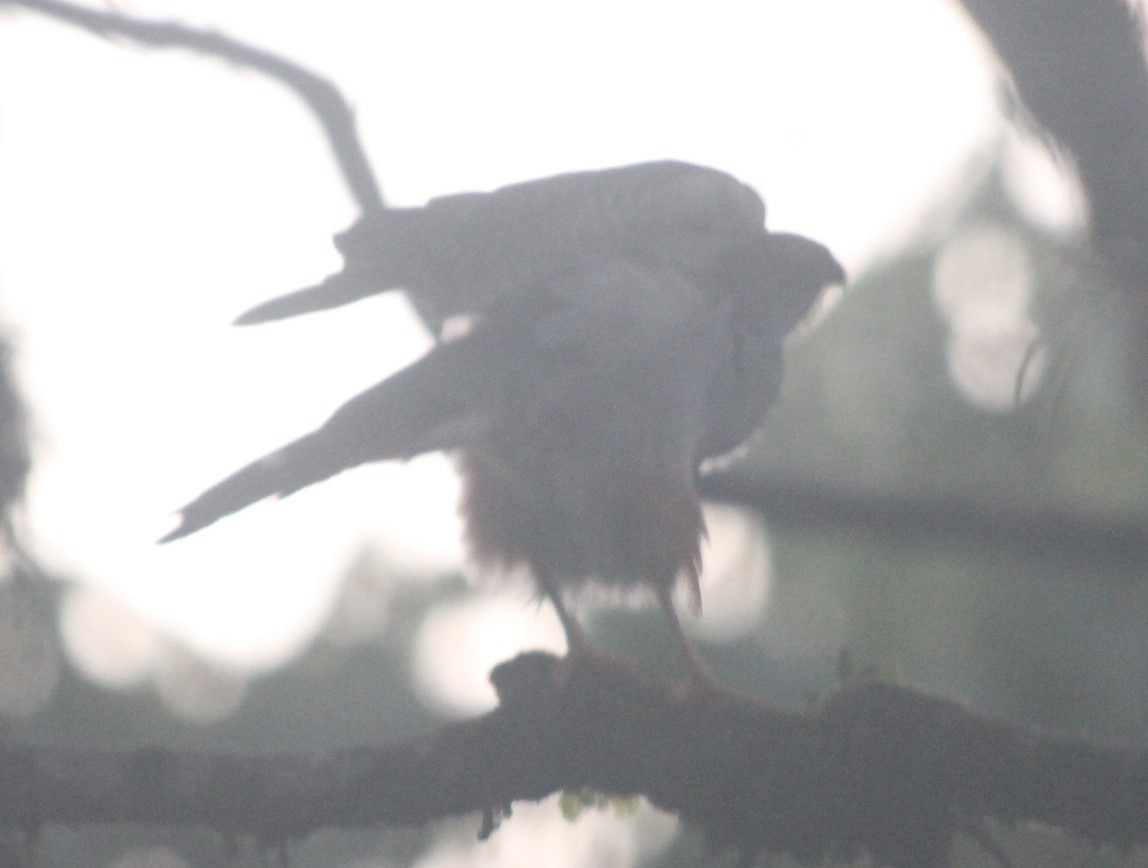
x=459, y=643
x=362, y=608
x=997, y=371
x=1043, y=186
x=982, y=283
x=104, y=639
x=982, y=279
x=29, y=661
x=194, y=689
x=735, y=580
x=539, y=835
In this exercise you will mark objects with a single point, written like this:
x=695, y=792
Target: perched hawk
x=628, y=325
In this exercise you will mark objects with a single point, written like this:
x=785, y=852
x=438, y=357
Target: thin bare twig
x=320, y=95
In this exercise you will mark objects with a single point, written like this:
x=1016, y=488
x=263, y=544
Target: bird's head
x=780, y=276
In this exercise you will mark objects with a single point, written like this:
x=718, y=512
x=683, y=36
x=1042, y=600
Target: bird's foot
x=699, y=681
x=591, y=656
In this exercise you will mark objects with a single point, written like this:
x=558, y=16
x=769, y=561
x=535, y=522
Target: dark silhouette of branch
x=1080, y=70
x=878, y=768
x=330, y=108
x=15, y=458
x=1074, y=536
x=322, y=97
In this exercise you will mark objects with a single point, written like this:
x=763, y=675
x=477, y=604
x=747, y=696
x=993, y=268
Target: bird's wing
x=461, y=253
x=427, y=406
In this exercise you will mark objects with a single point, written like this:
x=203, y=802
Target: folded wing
x=460, y=254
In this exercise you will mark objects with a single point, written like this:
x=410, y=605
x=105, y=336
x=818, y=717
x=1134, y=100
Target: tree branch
x=1080, y=69
x=1081, y=72
x=321, y=96
x=1074, y=536
x=876, y=768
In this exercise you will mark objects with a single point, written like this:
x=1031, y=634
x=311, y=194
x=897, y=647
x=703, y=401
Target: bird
x=458, y=254
x=596, y=379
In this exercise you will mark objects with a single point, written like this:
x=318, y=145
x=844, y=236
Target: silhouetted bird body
x=580, y=404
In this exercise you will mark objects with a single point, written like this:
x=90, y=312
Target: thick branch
x=1075, y=536
x=322, y=97
x=880, y=768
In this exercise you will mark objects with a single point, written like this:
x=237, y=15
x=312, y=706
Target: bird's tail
x=279, y=474
x=377, y=253
x=427, y=406
x=335, y=291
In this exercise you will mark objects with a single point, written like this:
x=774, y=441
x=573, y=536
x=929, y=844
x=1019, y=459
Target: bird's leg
x=579, y=648
x=577, y=642
x=700, y=674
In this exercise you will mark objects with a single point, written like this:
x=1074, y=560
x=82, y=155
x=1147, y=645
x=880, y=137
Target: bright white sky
x=147, y=197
